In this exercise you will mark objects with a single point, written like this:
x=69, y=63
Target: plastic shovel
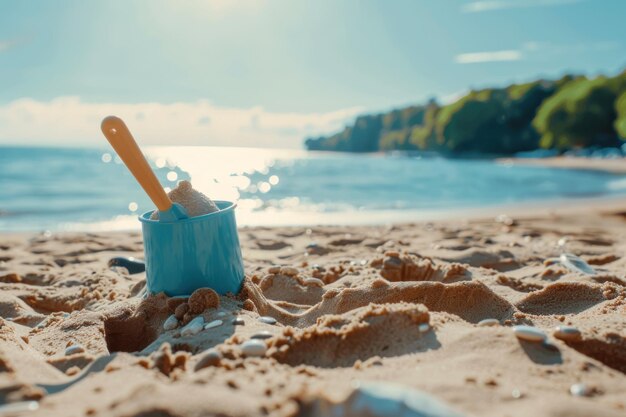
x=119, y=137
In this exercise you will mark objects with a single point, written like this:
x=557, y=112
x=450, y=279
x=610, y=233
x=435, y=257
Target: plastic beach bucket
x=197, y=252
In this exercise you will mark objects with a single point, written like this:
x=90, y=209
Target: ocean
x=90, y=190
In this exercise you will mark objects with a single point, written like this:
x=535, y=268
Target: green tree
x=620, y=122
x=493, y=121
x=580, y=114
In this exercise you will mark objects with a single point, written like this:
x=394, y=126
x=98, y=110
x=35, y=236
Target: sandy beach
x=615, y=166
x=343, y=307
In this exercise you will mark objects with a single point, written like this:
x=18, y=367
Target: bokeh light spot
x=172, y=176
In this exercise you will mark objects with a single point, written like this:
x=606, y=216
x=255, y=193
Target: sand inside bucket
x=194, y=202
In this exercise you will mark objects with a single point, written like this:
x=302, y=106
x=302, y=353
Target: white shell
x=262, y=335
x=488, y=322
x=576, y=264
x=171, y=323
x=71, y=350
x=267, y=320
x=529, y=333
x=253, y=347
x=195, y=326
x=579, y=390
x=382, y=399
x=214, y=323
x=11, y=409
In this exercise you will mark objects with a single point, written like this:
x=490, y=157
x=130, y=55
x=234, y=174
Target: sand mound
x=563, y=298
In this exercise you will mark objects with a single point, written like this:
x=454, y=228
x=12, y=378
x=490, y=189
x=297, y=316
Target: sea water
x=90, y=189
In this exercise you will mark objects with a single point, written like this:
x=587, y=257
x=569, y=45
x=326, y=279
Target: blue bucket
x=198, y=252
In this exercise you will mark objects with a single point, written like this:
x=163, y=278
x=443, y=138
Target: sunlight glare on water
x=224, y=173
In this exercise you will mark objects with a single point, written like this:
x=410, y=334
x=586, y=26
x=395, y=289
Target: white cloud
x=70, y=121
x=534, y=50
x=492, y=56
x=489, y=5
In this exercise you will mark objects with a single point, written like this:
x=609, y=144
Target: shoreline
x=613, y=166
x=529, y=209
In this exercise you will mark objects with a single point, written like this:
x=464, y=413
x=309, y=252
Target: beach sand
x=353, y=305
x=615, y=166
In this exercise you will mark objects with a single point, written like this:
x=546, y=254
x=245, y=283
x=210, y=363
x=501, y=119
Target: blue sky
x=268, y=72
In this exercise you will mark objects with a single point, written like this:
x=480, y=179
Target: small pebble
x=529, y=333
x=314, y=282
x=274, y=270
x=171, y=323
x=72, y=350
x=424, y=327
x=488, y=322
x=195, y=326
x=238, y=321
x=213, y=324
x=262, y=335
x=221, y=314
x=515, y=393
x=267, y=320
x=567, y=333
x=211, y=357
x=580, y=390
x=289, y=271
x=505, y=220
x=253, y=347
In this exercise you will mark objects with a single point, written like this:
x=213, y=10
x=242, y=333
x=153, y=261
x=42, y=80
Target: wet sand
x=390, y=304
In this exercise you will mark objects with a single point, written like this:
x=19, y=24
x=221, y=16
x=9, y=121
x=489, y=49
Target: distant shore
x=615, y=166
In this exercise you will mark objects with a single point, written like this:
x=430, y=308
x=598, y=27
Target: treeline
x=572, y=112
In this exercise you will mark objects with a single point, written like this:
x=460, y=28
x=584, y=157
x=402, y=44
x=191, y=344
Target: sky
x=272, y=72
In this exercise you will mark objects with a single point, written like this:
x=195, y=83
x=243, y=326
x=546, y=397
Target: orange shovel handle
x=119, y=137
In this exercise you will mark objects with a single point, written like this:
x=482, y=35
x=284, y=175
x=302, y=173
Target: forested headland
x=569, y=113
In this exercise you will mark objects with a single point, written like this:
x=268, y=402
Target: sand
x=615, y=166
x=194, y=202
x=353, y=306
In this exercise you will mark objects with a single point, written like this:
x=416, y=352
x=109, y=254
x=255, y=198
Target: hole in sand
x=183, y=347
x=612, y=355
x=128, y=334
x=389, y=335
